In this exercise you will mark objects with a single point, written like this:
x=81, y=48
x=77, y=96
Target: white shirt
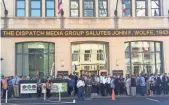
x=161, y=77
x=108, y=80
x=151, y=79
x=102, y=79
x=80, y=83
x=128, y=82
x=97, y=79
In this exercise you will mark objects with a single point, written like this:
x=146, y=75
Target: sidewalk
x=98, y=97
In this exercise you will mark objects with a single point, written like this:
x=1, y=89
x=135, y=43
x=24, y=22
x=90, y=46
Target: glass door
x=36, y=63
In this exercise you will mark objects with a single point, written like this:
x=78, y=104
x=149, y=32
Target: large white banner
x=28, y=88
x=56, y=87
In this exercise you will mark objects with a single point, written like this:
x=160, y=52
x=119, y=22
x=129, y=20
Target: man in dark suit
x=158, y=85
x=164, y=83
x=75, y=87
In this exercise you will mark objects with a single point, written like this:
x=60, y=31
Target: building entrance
x=36, y=62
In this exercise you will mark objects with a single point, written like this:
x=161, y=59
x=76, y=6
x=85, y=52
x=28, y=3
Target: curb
x=167, y=96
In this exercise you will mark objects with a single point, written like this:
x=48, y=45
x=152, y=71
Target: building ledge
x=145, y=17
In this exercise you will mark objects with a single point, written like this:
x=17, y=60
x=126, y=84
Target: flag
x=60, y=7
x=123, y=6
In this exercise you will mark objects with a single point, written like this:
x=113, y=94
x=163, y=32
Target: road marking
x=8, y=104
x=44, y=103
x=61, y=102
x=152, y=100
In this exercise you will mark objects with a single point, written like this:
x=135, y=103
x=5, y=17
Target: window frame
x=94, y=9
x=16, y=4
x=131, y=13
x=30, y=9
x=102, y=9
x=89, y=55
x=74, y=9
x=100, y=55
x=75, y=52
x=22, y=53
x=50, y=8
x=154, y=51
x=156, y=8
x=146, y=8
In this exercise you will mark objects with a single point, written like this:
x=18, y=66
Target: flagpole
x=62, y=20
x=6, y=20
x=116, y=19
x=61, y=11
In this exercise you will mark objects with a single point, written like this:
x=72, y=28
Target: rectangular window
x=87, y=55
x=100, y=55
x=88, y=6
x=127, y=7
x=20, y=8
x=103, y=9
x=155, y=8
x=75, y=56
x=74, y=8
x=50, y=8
x=141, y=8
x=35, y=8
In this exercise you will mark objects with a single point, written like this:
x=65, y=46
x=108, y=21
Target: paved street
x=101, y=101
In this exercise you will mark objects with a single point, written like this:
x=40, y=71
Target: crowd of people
x=90, y=86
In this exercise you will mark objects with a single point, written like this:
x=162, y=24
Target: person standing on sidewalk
x=39, y=87
x=75, y=87
x=152, y=85
x=108, y=81
x=88, y=87
x=164, y=83
x=122, y=85
x=138, y=84
x=133, y=86
x=80, y=86
x=94, y=86
x=5, y=86
x=128, y=85
x=112, y=85
x=48, y=88
x=142, y=85
x=168, y=84
x=158, y=85
x=10, y=87
x=97, y=79
x=1, y=86
x=16, y=85
x=71, y=84
x=102, y=84
x=117, y=85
